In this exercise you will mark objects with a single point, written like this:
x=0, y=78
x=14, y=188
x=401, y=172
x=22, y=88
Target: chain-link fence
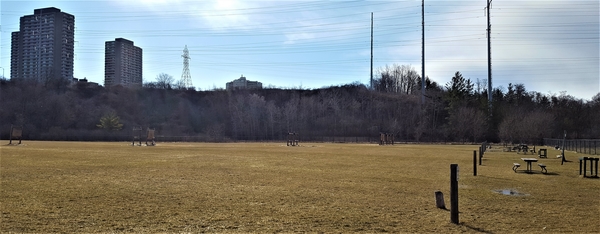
x=584, y=146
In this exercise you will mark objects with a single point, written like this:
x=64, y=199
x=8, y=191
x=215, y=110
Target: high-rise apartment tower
x=42, y=49
x=122, y=63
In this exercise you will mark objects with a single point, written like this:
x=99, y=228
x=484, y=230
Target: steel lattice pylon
x=186, y=78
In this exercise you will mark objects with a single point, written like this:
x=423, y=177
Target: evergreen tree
x=110, y=121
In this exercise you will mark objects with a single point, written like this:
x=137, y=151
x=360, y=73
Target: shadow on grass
x=475, y=228
x=551, y=173
x=538, y=173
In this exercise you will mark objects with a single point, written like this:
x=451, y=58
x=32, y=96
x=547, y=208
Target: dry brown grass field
x=269, y=187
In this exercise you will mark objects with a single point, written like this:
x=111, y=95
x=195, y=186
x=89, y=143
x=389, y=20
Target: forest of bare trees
x=455, y=112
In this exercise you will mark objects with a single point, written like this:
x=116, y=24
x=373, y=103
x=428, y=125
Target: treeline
x=455, y=112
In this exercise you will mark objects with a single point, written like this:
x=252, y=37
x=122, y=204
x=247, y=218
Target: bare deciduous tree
x=164, y=81
x=467, y=124
x=402, y=79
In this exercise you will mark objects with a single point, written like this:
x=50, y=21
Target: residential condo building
x=42, y=49
x=122, y=64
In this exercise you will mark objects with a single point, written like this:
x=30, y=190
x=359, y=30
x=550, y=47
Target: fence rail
x=585, y=146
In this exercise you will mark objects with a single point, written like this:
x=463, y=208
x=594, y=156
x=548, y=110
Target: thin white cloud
x=225, y=14
x=542, y=44
x=537, y=43
x=232, y=35
x=215, y=15
x=156, y=6
x=295, y=37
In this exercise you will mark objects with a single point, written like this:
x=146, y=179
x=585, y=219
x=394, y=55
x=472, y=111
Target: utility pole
x=423, y=52
x=489, y=26
x=371, y=50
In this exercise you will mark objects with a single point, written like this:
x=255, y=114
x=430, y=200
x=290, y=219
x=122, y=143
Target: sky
x=550, y=46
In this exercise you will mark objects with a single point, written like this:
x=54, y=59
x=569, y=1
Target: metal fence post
x=586, y=147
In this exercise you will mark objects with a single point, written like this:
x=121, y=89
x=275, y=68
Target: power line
x=339, y=38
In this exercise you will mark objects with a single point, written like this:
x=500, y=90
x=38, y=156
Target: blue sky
x=550, y=46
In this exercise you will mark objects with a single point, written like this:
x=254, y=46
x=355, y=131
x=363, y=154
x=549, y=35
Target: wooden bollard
x=474, y=162
x=580, y=165
x=480, y=155
x=585, y=166
x=439, y=200
x=454, y=193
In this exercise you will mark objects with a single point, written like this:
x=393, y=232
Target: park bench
x=543, y=168
x=515, y=166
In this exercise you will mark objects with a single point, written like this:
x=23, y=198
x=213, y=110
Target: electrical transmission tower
x=186, y=78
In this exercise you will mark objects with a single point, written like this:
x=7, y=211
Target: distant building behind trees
x=242, y=83
x=43, y=47
x=122, y=63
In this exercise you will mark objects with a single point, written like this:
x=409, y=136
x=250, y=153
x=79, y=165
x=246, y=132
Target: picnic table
x=529, y=161
x=521, y=147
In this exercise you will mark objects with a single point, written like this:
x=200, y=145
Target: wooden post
x=439, y=200
x=584, y=166
x=480, y=155
x=454, y=193
x=474, y=163
x=10, y=135
x=484, y=147
x=563, y=149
